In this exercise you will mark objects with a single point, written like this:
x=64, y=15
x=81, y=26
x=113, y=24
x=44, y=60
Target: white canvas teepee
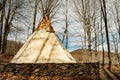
x=43, y=46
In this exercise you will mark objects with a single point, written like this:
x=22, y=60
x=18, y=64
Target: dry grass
x=9, y=77
x=11, y=49
x=86, y=56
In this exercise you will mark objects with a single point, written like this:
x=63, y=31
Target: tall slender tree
x=103, y=61
x=34, y=15
x=116, y=10
x=2, y=14
x=66, y=24
x=103, y=9
x=86, y=13
x=10, y=11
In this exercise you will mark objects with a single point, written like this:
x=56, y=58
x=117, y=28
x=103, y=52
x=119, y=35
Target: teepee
x=43, y=46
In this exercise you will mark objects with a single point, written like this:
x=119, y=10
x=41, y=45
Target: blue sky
x=75, y=42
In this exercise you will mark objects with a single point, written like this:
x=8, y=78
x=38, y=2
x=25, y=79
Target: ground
x=80, y=55
x=11, y=76
x=105, y=74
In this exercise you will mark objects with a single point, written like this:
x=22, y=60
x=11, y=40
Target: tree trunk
x=89, y=37
x=1, y=29
x=6, y=27
x=66, y=25
x=63, y=38
x=35, y=13
x=1, y=23
x=103, y=55
x=5, y=34
x=102, y=46
x=116, y=46
x=4, y=44
x=103, y=51
x=119, y=31
x=95, y=41
x=84, y=39
x=89, y=41
x=103, y=8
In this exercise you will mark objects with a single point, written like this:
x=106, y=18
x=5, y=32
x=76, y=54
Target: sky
x=74, y=42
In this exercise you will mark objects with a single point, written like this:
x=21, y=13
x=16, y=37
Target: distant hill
x=86, y=56
x=12, y=47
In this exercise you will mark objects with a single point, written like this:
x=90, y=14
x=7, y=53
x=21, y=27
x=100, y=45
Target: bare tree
x=66, y=24
x=103, y=9
x=116, y=10
x=34, y=15
x=116, y=20
x=2, y=4
x=115, y=42
x=86, y=13
x=103, y=63
x=10, y=11
x=2, y=13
